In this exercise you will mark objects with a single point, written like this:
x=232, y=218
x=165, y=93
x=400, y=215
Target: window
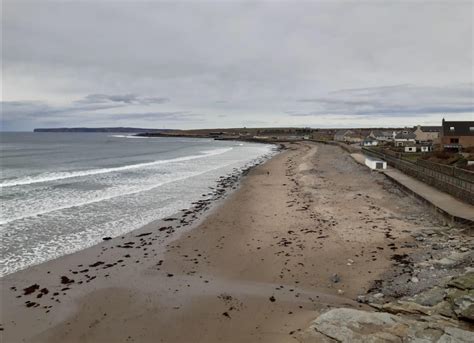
x=455, y=140
x=451, y=128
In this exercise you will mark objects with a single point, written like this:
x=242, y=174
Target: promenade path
x=450, y=205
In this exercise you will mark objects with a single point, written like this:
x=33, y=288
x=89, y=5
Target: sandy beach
x=308, y=229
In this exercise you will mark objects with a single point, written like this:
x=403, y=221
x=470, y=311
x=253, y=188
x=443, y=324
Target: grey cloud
x=24, y=109
x=252, y=122
x=125, y=99
x=38, y=113
x=372, y=90
x=169, y=116
x=394, y=101
x=257, y=59
x=329, y=101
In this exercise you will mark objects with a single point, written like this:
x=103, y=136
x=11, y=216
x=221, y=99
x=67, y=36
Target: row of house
x=451, y=135
x=397, y=138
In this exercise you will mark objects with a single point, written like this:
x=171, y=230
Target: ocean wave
x=80, y=173
x=127, y=136
x=4, y=221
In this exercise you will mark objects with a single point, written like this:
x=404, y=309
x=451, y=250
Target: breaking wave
x=66, y=175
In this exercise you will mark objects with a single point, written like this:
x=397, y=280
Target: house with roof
x=427, y=133
x=418, y=147
x=369, y=141
x=426, y=147
x=353, y=137
x=340, y=134
x=405, y=138
x=348, y=136
x=410, y=148
x=382, y=136
x=456, y=135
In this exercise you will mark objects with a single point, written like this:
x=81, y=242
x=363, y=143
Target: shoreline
x=224, y=185
x=184, y=221
x=306, y=230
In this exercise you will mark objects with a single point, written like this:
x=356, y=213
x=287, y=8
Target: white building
x=373, y=163
x=426, y=148
x=370, y=142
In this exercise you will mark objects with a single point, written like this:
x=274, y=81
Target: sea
x=63, y=192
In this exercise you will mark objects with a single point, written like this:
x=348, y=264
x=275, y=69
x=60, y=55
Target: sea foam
x=71, y=174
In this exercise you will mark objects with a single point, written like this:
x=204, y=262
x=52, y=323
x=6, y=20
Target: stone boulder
x=464, y=306
x=454, y=259
x=351, y=325
x=464, y=282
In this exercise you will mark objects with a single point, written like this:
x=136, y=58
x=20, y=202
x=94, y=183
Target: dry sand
x=310, y=228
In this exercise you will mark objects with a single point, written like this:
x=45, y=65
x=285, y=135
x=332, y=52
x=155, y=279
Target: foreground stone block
x=464, y=282
x=350, y=325
x=464, y=306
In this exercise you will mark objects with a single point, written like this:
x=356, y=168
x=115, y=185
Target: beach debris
x=143, y=234
x=65, y=280
x=335, y=278
x=226, y=314
x=31, y=289
x=226, y=297
x=43, y=291
x=272, y=299
x=106, y=238
x=98, y=263
x=31, y=304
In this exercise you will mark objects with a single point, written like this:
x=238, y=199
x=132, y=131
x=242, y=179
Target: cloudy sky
x=195, y=64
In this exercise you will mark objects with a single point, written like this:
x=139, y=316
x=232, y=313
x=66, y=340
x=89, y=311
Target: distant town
x=451, y=143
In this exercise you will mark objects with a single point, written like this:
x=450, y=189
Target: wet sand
x=308, y=229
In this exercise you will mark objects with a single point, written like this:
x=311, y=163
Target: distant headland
x=99, y=129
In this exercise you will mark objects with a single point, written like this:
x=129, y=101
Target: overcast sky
x=196, y=64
